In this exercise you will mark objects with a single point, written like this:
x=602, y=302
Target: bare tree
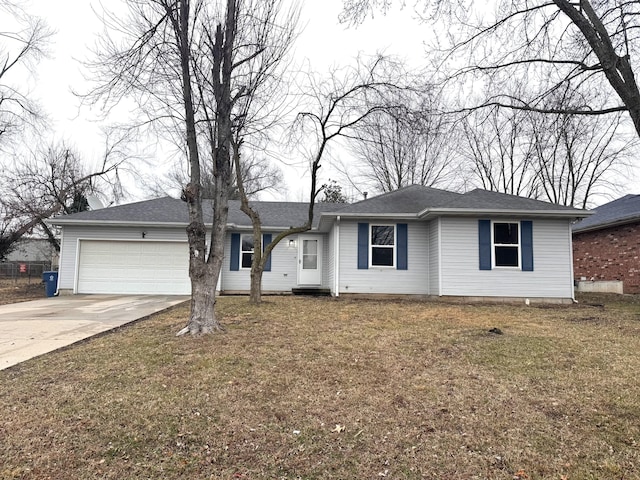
x=564, y=159
x=498, y=148
x=54, y=181
x=258, y=175
x=578, y=157
x=551, y=45
x=21, y=47
x=401, y=146
x=189, y=65
x=337, y=107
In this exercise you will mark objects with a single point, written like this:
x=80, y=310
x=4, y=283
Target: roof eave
x=602, y=226
x=118, y=223
x=434, y=212
x=113, y=223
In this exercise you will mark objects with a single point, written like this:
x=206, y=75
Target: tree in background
x=51, y=182
x=23, y=41
x=578, y=157
x=332, y=193
x=498, y=151
x=399, y=146
x=564, y=158
x=258, y=175
x=548, y=45
x=546, y=58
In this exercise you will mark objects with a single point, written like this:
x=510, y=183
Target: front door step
x=313, y=291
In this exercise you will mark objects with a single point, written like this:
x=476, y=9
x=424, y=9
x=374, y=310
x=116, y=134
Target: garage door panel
x=142, y=267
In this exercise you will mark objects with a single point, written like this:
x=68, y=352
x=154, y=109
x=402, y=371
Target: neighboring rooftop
x=618, y=212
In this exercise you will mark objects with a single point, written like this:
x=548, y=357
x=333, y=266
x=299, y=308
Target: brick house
x=606, y=245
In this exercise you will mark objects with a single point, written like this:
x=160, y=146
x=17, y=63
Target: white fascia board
x=427, y=213
x=264, y=228
x=399, y=216
x=119, y=223
x=112, y=223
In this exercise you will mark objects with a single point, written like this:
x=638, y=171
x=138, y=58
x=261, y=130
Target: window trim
x=242, y=252
x=494, y=245
x=393, y=247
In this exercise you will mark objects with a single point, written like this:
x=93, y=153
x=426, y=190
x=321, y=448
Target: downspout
x=439, y=256
x=59, y=262
x=336, y=273
x=573, y=288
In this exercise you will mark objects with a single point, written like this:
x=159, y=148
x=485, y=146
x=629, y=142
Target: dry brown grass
x=348, y=389
x=20, y=290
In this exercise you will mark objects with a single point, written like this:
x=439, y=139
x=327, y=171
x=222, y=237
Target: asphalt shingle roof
x=416, y=198
x=405, y=201
x=412, y=199
x=622, y=210
x=487, y=200
x=168, y=210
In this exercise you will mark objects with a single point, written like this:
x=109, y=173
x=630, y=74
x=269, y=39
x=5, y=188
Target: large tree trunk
x=202, y=271
x=255, y=295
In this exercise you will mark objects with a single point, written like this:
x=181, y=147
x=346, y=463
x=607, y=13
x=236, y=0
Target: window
x=246, y=251
x=506, y=244
x=383, y=243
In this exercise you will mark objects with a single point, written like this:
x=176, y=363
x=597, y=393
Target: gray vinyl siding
x=71, y=235
x=414, y=280
x=434, y=258
x=461, y=275
x=284, y=268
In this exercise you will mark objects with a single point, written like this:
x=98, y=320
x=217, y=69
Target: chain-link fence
x=23, y=270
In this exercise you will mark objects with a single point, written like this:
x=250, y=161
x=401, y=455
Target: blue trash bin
x=50, y=280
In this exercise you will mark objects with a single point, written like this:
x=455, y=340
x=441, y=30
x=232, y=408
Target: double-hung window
x=383, y=245
x=246, y=251
x=506, y=244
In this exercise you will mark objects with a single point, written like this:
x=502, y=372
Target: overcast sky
x=324, y=42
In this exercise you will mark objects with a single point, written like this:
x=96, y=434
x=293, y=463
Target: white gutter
x=487, y=211
x=336, y=272
x=114, y=223
x=119, y=223
x=439, y=256
x=573, y=289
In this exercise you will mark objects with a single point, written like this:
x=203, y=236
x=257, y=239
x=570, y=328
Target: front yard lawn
x=347, y=389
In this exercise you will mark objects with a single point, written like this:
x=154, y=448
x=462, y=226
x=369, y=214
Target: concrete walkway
x=29, y=329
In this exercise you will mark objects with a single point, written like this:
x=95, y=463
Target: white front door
x=310, y=260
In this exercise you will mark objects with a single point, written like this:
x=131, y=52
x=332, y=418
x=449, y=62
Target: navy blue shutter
x=266, y=240
x=235, y=252
x=363, y=246
x=526, y=243
x=401, y=236
x=484, y=243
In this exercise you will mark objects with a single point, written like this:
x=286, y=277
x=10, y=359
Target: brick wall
x=609, y=254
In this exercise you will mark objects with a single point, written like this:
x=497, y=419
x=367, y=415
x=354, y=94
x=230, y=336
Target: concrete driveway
x=29, y=329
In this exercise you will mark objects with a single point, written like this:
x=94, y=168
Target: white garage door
x=143, y=267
